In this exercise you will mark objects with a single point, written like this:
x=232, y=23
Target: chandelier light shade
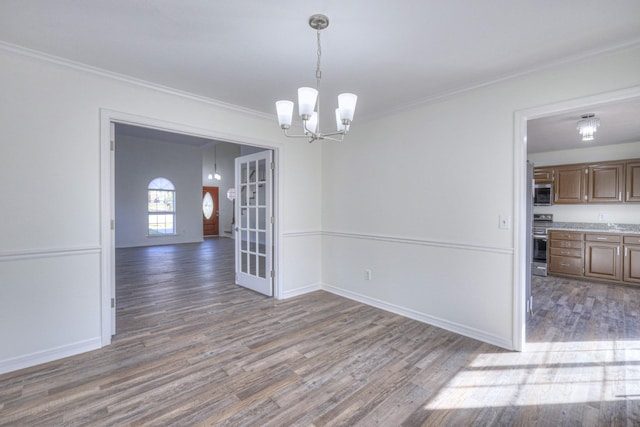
x=311, y=125
x=587, y=127
x=307, y=98
x=347, y=106
x=309, y=102
x=341, y=127
x=285, y=113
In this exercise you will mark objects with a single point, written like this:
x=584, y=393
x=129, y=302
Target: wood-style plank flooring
x=194, y=349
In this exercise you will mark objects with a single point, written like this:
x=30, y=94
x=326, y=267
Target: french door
x=254, y=221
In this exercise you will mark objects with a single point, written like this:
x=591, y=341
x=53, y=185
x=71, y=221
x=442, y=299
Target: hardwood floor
x=194, y=349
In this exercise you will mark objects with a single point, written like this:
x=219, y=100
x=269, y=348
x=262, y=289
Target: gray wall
x=137, y=162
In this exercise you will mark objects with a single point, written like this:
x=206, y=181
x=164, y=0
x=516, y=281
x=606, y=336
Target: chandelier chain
x=318, y=77
x=318, y=71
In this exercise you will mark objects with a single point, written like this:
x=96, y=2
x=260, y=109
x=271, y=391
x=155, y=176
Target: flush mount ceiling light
x=587, y=127
x=309, y=102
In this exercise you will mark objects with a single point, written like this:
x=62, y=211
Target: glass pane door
x=254, y=231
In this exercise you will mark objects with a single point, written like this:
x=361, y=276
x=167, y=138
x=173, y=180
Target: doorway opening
x=522, y=195
x=183, y=134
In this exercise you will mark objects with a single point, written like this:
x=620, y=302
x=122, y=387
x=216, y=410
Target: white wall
x=51, y=249
x=406, y=197
x=625, y=213
x=427, y=231
x=223, y=157
x=137, y=162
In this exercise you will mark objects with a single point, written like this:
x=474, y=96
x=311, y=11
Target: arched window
x=161, y=198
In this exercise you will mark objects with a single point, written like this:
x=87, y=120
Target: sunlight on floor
x=546, y=373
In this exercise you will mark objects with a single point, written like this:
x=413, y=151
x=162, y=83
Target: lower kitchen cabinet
x=565, y=253
x=614, y=257
x=602, y=256
x=631, y=267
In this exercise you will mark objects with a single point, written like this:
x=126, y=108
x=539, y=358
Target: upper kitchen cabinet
x=570, y=183
x=633, y=181
x=606, y=182
x=543, y=175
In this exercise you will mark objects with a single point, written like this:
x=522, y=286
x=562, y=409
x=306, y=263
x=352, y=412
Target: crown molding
x=511, y=76
x=38, y=55
x=370, y=117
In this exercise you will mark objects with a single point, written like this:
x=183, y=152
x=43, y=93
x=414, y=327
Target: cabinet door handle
x=620, y=196
x=618, y=250
x=625, y=251
x=601, y=238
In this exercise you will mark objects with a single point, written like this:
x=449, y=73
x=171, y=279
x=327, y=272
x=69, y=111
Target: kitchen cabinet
x=566, y=253
x=543, y=175
x=610, y=256
x=602, y=255
x=631, y=264
x=633, y=181
x=570, y=183
x=605, y=183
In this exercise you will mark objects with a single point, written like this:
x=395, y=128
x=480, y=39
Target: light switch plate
x=504, y=222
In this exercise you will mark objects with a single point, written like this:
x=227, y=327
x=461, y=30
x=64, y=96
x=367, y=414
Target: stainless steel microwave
x=543, y=194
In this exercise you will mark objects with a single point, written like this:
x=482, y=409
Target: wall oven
x=542, y=194
x=541, y=222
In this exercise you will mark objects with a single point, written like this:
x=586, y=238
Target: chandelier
x=309, y=102
x=587, y=127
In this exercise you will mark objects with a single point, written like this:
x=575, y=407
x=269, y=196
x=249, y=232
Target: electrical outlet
x=367, y=274
x=601, y=217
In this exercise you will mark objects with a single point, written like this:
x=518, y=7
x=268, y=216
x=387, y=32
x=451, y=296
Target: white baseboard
x=49, y=355
x=33, y=359
x=301, y=291
x=421, y=317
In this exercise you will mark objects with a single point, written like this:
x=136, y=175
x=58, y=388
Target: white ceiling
x=619, y=123
x=252, y=53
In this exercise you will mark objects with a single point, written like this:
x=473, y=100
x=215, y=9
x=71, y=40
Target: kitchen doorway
x=522, y=196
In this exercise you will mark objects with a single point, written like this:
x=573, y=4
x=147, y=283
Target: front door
x=210, y=211
x=254, y=221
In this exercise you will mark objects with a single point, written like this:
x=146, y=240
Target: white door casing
x=112, y=242
x=107, y=200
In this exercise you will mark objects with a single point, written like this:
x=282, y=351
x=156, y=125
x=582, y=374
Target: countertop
x=596, y=226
